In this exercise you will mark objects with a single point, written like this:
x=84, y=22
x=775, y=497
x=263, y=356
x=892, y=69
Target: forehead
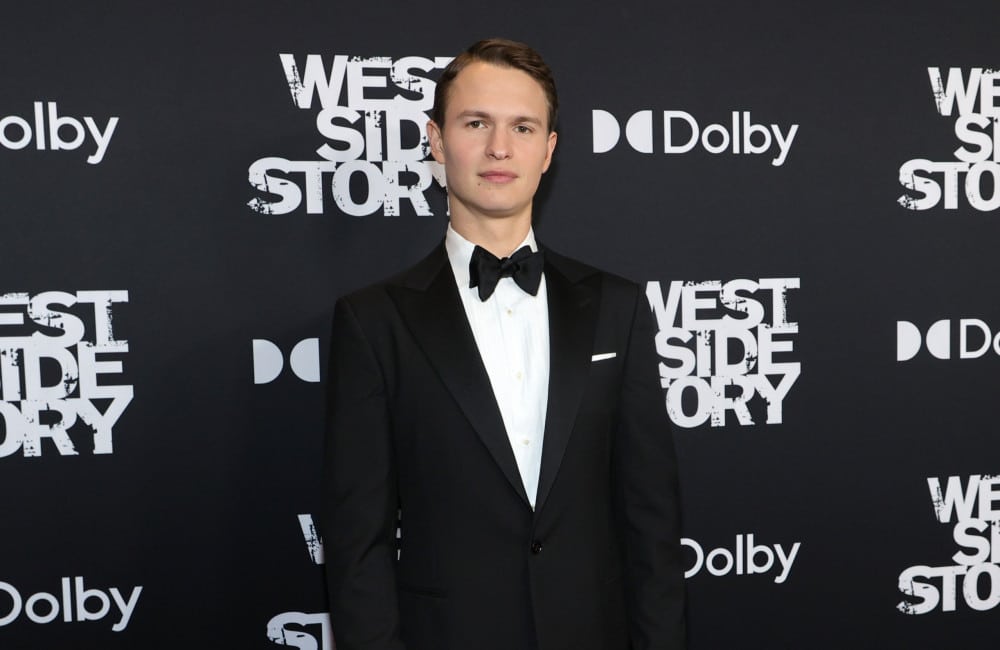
x=496, y=90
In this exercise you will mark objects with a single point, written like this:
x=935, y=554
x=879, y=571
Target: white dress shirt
x=511, y=329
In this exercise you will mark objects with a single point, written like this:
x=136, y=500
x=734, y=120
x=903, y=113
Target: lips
x=498, y=176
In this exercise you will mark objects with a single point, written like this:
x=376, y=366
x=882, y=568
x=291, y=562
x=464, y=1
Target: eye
x=475, y=124
x=523, y=128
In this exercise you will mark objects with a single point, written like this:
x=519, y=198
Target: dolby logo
x=974, y=336
x=682, y=132
x=49, y=130
x=268, y=360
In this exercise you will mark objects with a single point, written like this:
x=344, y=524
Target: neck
x=501, y=237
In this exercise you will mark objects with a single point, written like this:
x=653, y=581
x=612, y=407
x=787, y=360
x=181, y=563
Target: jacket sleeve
x=647, y=500
x=360, y=502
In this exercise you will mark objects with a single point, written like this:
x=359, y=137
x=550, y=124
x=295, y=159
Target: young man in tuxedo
x=503, y=401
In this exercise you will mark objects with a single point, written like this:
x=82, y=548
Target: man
x=505, y=405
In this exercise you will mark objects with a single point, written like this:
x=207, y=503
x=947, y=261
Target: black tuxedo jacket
x=414, y=432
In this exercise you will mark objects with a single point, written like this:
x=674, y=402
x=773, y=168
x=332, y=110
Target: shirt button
x=536, y=547
x=526, y=442
x=519, y=375
x=510, y=312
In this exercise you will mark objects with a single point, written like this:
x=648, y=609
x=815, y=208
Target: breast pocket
x=603, y=380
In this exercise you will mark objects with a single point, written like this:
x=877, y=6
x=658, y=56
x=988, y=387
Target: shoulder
x=574, y=270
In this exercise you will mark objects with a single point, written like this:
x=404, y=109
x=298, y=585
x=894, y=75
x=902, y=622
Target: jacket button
x=536, y=547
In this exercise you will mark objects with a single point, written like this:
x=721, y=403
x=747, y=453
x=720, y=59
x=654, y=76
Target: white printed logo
x=50, y=380
x=49, y=130
x=373, y=118
x=268, y=360
x=719, y=342
x=286, y=628
x=314, y=543
x=975, y=507
x=682, y=133
x=929, y=182
x=746, y=558
x=974, y=339
x=88, y=604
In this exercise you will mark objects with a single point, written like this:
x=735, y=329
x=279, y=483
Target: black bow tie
x=525, y=267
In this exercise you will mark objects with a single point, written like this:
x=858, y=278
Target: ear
x=551, y=145
x=434, y=138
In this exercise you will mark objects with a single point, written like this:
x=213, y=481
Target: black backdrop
x=202, y=491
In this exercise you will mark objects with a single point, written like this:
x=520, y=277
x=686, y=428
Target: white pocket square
x=603, y=356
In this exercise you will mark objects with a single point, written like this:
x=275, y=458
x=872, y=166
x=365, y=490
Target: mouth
x=498, y=176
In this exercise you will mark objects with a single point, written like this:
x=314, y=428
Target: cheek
x=459, y=155
x=543, y=161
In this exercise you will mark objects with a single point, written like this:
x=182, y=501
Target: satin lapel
x=428, y=301
x=573, y=303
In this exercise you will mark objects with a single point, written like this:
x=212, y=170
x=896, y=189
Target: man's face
x=495, y=143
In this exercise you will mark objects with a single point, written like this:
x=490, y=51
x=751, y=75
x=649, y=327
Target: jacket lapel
x=574, y=295
x=429, y=304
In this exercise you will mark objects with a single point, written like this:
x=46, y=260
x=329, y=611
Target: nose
x=498, y=146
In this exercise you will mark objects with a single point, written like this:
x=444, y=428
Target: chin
x=501, y=212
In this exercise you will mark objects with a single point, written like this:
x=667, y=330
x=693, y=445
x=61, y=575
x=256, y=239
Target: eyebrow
x=517, y=118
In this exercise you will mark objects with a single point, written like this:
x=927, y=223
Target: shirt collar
x=460, y=249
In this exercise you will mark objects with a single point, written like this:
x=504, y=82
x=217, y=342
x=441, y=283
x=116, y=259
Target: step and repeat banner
x=809, y=196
